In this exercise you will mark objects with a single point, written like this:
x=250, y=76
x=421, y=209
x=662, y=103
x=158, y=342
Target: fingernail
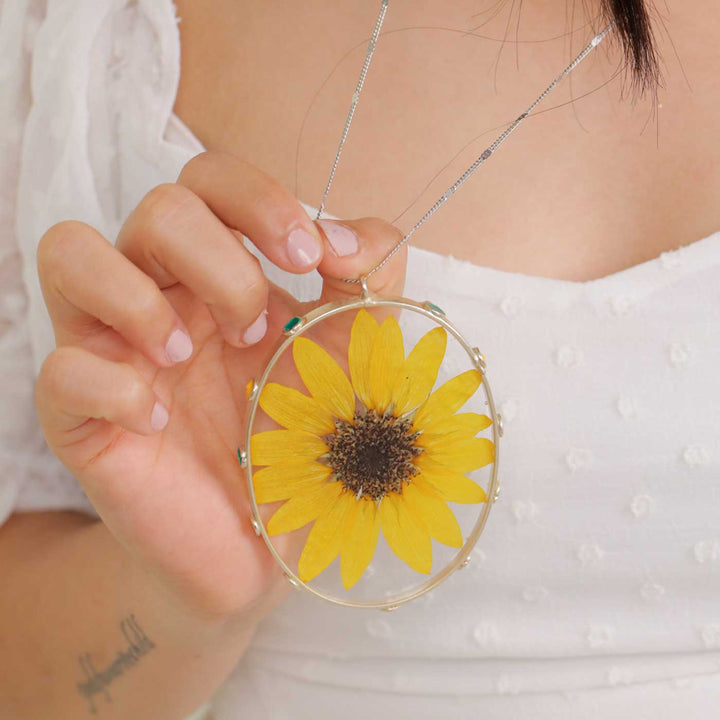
x=179, y=346
x=159, y=417
x=303, y=248
x=257, y=330
x=342, y=239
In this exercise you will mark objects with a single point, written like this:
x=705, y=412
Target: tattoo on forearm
x=97, y=681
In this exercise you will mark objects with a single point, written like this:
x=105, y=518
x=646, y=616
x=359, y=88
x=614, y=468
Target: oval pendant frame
x=295, y=329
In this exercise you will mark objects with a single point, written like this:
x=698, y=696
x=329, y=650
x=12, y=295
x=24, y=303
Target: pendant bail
x=365, y=291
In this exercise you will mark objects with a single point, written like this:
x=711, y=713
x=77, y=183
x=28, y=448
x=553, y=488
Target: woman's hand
x=143, y=399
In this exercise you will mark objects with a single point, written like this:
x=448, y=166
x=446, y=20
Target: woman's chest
x=580, y=191
x=604, y=539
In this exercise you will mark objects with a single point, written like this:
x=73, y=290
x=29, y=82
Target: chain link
x=487, y=153
x=355, y=100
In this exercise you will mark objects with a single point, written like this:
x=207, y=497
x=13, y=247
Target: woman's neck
x=580, y=191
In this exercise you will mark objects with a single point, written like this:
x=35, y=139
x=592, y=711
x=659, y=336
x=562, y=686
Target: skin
x=577, y=193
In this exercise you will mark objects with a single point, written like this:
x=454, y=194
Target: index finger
x=248, y=200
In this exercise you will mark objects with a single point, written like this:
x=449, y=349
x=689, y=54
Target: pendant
x=371, y=469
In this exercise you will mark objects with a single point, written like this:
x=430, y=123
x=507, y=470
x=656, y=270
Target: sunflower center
x=373, y=454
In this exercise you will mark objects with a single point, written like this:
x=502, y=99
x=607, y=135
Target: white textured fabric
x=595, y=589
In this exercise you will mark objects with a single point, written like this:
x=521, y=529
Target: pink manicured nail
x=256, y=331
x=179, y=346
x=159, y=417
x=342, y=239
x=303, y=248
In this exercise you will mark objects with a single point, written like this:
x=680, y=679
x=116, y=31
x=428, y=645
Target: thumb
x=352, y=249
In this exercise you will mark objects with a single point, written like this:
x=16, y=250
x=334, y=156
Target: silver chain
x=478, y=162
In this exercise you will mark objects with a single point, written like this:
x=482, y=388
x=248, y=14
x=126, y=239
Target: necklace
x=355, y=450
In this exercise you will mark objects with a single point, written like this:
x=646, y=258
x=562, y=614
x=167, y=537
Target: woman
x=593, y=591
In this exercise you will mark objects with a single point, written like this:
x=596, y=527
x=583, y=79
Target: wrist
x=165, y=607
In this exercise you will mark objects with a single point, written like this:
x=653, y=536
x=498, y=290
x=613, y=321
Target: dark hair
x=634, y=30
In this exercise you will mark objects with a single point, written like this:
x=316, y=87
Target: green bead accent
x=434, y=307
x=292, y=323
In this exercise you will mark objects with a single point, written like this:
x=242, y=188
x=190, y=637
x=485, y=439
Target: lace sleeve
x=31, y=477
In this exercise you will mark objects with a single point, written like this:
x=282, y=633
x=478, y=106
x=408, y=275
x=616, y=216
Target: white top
x=594, y=591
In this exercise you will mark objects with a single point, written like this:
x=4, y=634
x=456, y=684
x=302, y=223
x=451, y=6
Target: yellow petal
x=362, y=529
x=418, y=373
x=462, y=425
x=295, y=411
x=325, y=538
x=406, y=538
x=276, y=446
x=448, y=399
x=362, y=337
x=463, y=455
x=324, y=378
x=446, y=483
x=437, y=517
x=304, y=507
x=386, y=358
x=282, y=481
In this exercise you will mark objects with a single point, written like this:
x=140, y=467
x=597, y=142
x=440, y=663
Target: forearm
x=85, y=633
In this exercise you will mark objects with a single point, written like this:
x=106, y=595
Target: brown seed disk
x=373, y=453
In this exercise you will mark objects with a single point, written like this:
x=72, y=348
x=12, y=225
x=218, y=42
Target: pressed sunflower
x=378, y=450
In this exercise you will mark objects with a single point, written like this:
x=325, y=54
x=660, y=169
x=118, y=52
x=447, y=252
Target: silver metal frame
x=367, y=299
